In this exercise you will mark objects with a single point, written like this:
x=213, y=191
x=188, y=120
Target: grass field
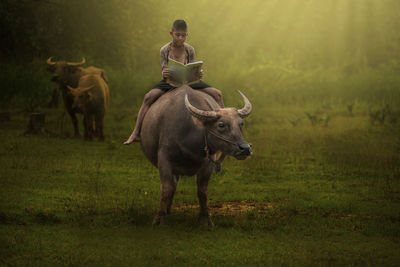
x=322, y=188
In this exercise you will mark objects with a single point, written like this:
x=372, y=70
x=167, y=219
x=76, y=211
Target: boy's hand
x=165, y=73
x=201, y=74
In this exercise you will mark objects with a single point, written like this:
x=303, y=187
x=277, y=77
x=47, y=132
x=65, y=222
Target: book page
x=177, y=73
x=183, y=74
x=193, y=72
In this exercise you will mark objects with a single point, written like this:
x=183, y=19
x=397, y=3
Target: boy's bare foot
x=131, y=139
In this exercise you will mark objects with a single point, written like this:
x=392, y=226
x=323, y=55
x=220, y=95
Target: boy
x=178, y=50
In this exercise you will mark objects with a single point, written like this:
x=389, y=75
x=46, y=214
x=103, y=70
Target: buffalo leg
x=71, y=112
x=175, y=179
x=99, y=127
x=85, y=128
x=89, y=127
x=75, y=123
x=167, y=189
x=203, y=176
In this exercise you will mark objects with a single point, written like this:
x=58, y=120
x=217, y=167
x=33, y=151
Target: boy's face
x=178, y=37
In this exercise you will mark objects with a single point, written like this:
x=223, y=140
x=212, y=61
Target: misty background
x=286, y=52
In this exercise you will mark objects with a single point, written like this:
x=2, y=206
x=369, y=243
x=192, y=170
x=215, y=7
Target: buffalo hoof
x=77, y=136
x=205, y=221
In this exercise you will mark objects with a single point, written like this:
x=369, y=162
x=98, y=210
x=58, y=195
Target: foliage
x=336, y=50
x=24, y=88
x=290, y=34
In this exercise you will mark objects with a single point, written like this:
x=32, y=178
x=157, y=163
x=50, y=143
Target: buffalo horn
x=71, y=88
x=77, y=64
x=198, y=113
x=79, y=90
x=245, y=111
x=50, y=62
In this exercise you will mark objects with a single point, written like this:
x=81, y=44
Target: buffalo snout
x=75, y=107
x=243, y=151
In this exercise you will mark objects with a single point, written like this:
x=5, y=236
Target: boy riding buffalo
x=179, y=51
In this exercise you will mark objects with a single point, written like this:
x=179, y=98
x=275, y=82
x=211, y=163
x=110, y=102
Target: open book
x=183, y=74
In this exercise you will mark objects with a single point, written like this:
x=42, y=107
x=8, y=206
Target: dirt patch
x=229, y=208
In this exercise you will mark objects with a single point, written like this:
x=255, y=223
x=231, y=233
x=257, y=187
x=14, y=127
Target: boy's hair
x=179, y=25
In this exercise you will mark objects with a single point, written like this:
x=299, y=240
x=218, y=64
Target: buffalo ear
x=87, y=92
x=71, y=90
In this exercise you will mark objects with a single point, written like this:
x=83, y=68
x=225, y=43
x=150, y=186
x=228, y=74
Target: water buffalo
x=69, y=74
x=181, y=133
x=92, y=98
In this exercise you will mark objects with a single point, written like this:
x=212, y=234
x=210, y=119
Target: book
x=181, y=74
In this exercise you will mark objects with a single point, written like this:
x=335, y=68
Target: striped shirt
x=164, y=52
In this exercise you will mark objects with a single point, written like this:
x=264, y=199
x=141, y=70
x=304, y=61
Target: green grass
x=318, y=195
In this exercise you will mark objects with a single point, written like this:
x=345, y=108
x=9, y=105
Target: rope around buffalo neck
x=207, y=151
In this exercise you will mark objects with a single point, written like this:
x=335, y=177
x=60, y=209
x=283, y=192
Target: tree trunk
x=36, y=123
x=54, y=98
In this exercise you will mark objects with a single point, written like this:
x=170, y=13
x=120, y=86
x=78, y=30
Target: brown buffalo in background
x=92, y=97
x=69, y=74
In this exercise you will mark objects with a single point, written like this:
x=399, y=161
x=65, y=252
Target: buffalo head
x=64, y=72
x=81, y=96
x=224, y=128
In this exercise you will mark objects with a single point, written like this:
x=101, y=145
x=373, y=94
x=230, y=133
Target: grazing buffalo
x=181, y=133
x=69, y=74
x=92, y=98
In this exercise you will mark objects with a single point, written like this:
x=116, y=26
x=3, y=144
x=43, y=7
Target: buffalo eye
x=221, y=125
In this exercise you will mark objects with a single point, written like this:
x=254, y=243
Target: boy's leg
x=216, y=94
x=149, y=99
